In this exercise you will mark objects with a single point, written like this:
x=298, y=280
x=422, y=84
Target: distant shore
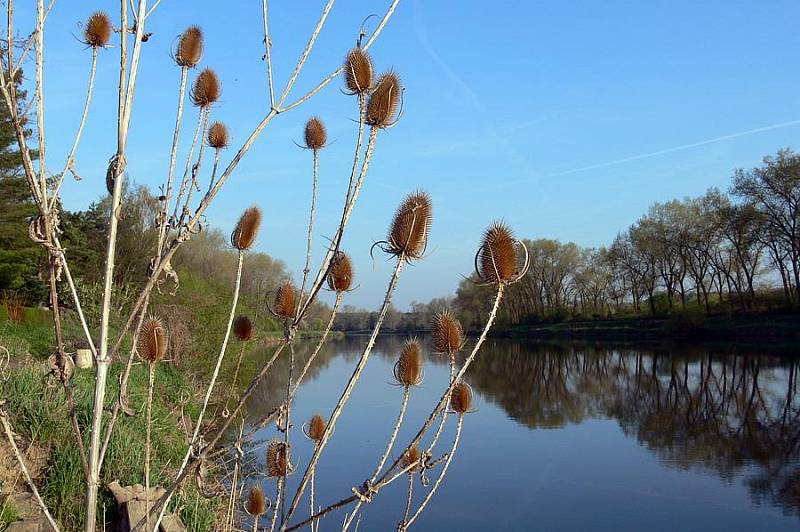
x=769, y=327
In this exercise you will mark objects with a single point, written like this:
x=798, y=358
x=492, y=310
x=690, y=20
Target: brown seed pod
x=218, y=136
x=152, y=343
x=315, y=134
x=278, y=464
x=243, y=328
x=497, y=260
x=316, y=428
x=448, y=336
x=358, y=71
x=98, y=30
x=408, y=368
x=408, y=234
x=206, y=89
x=285, y=300
x=384, y=101
x=244, y=234
x=340, y=275
x=411, y=456
x=190, y=47
x=461, y=398
x=256, y=502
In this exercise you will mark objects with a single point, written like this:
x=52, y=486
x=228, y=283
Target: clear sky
x=565, y=118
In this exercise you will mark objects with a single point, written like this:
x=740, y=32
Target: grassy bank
x=767, y=327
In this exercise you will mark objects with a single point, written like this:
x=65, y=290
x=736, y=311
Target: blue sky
x=567, y=119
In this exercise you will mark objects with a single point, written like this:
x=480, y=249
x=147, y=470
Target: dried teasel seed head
x=408, y=368
x=461, y=398
x=285, y=300
x=384, y=101
x=190, y=47
x=408, y=234
x=244, y=235
x=98, y=30
x=358, y=71
x=315, y=134
x=278, y=464
x=243, y=328
x=218, y=136
x=152, y=342
x=411, y=456
x=340, y=275
x=206, y=89
x=256, y=502
x=497, y=260
x=448, y=336
x=316, y=428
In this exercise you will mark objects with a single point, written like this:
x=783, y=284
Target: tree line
x=735, y=251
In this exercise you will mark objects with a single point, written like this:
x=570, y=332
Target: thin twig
x=268, y=53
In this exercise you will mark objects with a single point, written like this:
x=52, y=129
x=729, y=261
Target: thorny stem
x=211, y=384
x=195, y=171
x=278, y=496
x=268, y=54
x=173, y=155
x=382, y=462
x=148, y=420
x=347, y=211
x=310, y=239
x=10, y=436
x=410, y=497
x=407, y=523
x=71, y=157
x=201, y=117
x=439, y=430
x=347, y=391
x=288, y=419
x=387, y=478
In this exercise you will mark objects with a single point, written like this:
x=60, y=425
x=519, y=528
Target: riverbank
x=767, y=327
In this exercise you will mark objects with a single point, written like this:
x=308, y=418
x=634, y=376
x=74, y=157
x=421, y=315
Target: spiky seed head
x=461, y=398
x=218, y=136
x=497, y=258
x=408, y=234
x=358, y=71
x=206, y=89
x=244, y=235
x=190, y=47
x=384, y=101
x=411, y=456
x=340, y=275
x=256, y=502
x=152, y=343
x=278, y=464
x=408, y=368
x=285, y=300
x=316, y=428
x=98, y=30
x=243, y=328
x=448, y=336
x=315, y=134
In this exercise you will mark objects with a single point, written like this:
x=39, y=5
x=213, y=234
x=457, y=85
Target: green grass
x=8, y=514
x=39, y=413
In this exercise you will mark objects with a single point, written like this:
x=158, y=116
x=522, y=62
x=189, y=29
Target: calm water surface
x=568, y=436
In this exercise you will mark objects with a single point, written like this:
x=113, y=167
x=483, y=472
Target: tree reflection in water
x=693, y=408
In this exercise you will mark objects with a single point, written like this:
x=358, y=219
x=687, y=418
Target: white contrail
x=677, y=148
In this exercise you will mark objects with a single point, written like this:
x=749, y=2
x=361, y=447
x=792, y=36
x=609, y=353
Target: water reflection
x=691, y=407
x=697, y=411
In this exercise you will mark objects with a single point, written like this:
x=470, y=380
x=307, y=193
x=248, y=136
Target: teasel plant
x=279, y=466
x=406, y=242
x=408, y=372
x=256, y=505
x=501, y=260
x=314, y=431
x=410, y=463
x=461, y=403
x=152, y=348
x=448, y=339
